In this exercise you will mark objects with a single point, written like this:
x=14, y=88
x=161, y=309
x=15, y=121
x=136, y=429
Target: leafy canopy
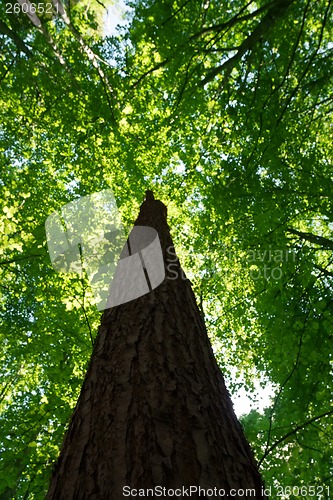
x=225, y=112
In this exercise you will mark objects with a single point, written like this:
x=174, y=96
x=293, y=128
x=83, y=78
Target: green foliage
x=226, y=114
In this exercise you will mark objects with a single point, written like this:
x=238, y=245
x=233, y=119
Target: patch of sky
x=117, y=16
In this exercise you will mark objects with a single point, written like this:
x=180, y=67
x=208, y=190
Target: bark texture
x=154, y=409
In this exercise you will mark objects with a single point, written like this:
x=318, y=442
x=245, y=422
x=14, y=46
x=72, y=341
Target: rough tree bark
x=154, y=409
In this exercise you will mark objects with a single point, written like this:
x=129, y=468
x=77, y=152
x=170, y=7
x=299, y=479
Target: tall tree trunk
x=154, y=410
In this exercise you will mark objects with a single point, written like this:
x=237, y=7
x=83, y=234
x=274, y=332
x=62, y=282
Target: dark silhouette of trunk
x=154, y=411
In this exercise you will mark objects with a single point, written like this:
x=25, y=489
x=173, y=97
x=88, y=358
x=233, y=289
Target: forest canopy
x=224, y=110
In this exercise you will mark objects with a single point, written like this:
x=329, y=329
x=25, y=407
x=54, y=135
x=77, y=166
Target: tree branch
x=18, y=259
x=291, y=433
x=88, y=51
x=151, y=70
x=21, y=46
x=236, y=19
x=312, y=238
x=277, y=11
x=307, y=67
x=324, y=271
